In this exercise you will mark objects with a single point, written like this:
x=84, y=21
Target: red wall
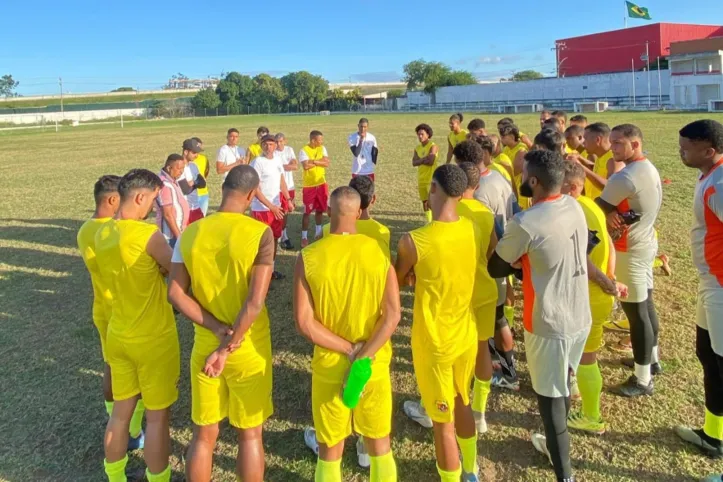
x=612, y=51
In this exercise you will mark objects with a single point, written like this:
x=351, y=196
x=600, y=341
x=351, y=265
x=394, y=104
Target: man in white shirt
x=267, y=204
x=364, y=148
x=230, y=155
x=192, y=180
x=288, y=160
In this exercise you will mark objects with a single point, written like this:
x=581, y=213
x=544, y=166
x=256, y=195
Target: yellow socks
x=327, y=471
x=589, y=381
x=116, y=471
x=509, y=314
x=453, y=476
x=383, y=468
x=713, y=426
x=109, y=408
x=137, y=419
x=481, y=393
x=428, y=215
x=164, y=476
x=468, y=447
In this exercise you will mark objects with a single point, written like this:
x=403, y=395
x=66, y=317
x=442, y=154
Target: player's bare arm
x=158, y=249
x=323, y=162
x=169, y=216
x=614, y=166
x=450, y=151
x=608, y=285
x=222, y=168
x=293, y=165
x=178, y=296
x=275, y=210
x=285, y=193
x=526, y=140
x=308, y=164
x=519, y=163
x=388, y=321
x=308, y=326
x=429, y=160
x=416, y=160
x=406, y=259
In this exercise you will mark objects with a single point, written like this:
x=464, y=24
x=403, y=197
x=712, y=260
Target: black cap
x=268, y=138
x=192, y=145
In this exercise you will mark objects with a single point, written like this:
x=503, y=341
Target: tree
x=526, y=75
x=245, y=87
x=206, y=99
x=305, y=91
x=124, y=89
x=459, y=77
x=433, y=75
x=414, y=73
x=8, y=86
x=395, y=93
x=269, y=94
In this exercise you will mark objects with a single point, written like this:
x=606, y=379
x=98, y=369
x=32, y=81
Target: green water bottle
x=359, y=375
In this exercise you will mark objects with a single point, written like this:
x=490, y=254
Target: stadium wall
x=80, y=116
x=617, y=87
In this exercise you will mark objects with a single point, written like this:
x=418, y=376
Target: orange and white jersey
x=707, y=233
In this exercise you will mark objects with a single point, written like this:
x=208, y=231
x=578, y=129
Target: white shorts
x=635, y=270
x=550, y=359
x=709, y=316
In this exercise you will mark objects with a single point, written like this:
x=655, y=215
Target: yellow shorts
x=372, y=417
x=424, y=192
x=150, y=369
x=242, y=392
x=440, y=383
x=102, y=327
x=601, y=311
x=485, y=317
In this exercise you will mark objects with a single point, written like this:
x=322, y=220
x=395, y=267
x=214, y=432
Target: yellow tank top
x=455, y=139
x=102, y=297
x=219, y=252
x=202, y=162
x=316, y=176
x=372, y=228
x=424, y=172
x=443, y=326
x=502, y=159
x=347, y=276
x=485, y=288
x=254, y=150
x=600, y=255
x=141, y=312
x=500, y=168
x=601, y=169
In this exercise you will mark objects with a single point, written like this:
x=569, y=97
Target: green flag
x=634, y=11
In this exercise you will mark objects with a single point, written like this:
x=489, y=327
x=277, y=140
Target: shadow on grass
x=55, y=232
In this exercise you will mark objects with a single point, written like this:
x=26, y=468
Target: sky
x=98, y=46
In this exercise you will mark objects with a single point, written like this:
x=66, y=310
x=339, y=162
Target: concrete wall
x=589, y=87
x=80, y=116
x=98, y=94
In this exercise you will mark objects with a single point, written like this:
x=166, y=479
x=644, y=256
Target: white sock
x=318, y=231
x=642, y=372
x=284, y=236
x=304, y=234
x=654, y=355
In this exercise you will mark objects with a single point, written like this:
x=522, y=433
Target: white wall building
x=696, y=67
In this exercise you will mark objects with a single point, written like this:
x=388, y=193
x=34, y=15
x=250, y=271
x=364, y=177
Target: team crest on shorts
x=442, y=406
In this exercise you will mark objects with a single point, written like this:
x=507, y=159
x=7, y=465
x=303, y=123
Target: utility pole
x=558, y=47
x=647, y=59
x=62, y=112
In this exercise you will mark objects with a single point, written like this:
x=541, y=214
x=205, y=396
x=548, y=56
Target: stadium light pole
x=647, y=60
x=62, y=112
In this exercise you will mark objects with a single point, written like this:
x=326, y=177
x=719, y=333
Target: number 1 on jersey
x=579, y=266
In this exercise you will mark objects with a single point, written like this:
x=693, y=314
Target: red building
x=612, y=51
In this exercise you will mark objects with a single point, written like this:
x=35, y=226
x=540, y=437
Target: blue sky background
x=98, y=46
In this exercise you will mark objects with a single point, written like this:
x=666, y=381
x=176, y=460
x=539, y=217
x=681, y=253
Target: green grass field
x=52, y=410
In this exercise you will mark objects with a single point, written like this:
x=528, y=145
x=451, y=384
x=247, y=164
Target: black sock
x=642, y=335
x=554, y=417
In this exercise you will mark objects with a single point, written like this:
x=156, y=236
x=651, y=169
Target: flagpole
x=625, y=17
x=632, y=70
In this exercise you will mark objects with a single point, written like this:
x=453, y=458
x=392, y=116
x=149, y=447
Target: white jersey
x=287, y=155
x=636, y=187
x=707, y=232
x=362, y=164
x=190, y=174
x=496, y=193
x=229, y=155
x=270, y=172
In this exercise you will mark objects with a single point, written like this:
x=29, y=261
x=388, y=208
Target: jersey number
x=579, y=266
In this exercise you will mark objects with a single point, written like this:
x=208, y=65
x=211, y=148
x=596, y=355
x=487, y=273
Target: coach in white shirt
x=364, y=148
x=230, y=155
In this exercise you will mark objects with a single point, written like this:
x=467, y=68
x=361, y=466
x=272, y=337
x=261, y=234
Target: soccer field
x=51, y=401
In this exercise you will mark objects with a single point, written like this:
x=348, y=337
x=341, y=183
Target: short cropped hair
x=172, y=158
x=136, y=179
x=505, y=120
x=107, y=184
x=550, y=139
x=262, y=130
x=468, y=151
x=475, y=124
x=242, y=179
x=472, y=172
x=578, y=118
x=314, y=134
x=485, y=142
x=559, y=114
x=458, y=117
x=279, y=136
x=363, y=120
x=544, y=111
x=451, y=179
x=426, y=128
x=510, y=130
x=599, y=129
x=548, y=167
x=629, y=131
x=706, y=130
x=551, y=123
x=573, y=170
x=574, y=130
x=345, y=192
x=233, y=129
x=365, y=187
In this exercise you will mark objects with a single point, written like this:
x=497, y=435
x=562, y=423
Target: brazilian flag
x=635, y=11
